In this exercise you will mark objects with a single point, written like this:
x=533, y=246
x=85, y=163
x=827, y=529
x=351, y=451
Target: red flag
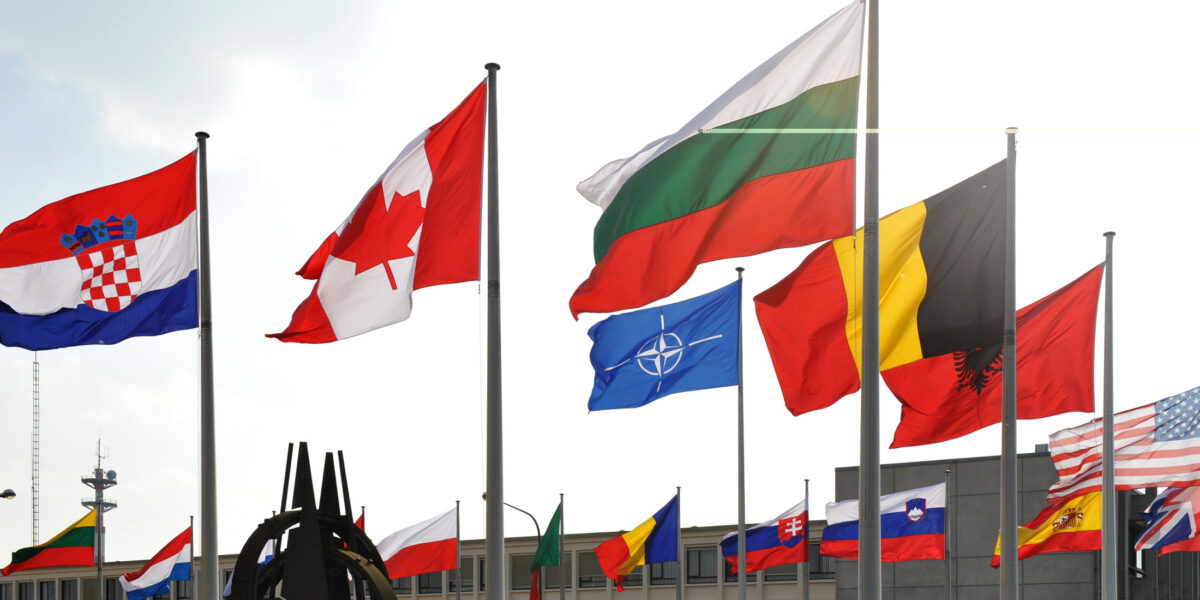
x=535, y=587
x=417, y=226
x=951, y=395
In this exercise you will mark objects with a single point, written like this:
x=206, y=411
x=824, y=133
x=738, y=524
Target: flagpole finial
x=492, y=67
x=1011, y=130
x=739, y=269
x=202, y=135
x=1109, y=234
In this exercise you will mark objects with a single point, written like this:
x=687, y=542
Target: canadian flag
x=417, y=226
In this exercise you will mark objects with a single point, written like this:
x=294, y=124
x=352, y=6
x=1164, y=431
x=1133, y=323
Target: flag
x=361, y=521
x=912, y=526
x=73, y=547
x=427, y=547
x=547, y=554
x=1156, y=445
x=1070, y=525
x=654, y=541
x=417, y=226
x=941, y=282
x=264, y=556
x=647, y=354
x=714, y=190
x=780, y=541
x=948, y=396
x=103, y=266
x=172, y=563
x=1171, y=522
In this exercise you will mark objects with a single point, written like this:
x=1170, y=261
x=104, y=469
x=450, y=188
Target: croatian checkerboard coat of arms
x=108, y=262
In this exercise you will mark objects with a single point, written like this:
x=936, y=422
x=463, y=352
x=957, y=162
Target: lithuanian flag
x=769, y=164
x=71, y=548
x=654, y=541
x=941, y=289
x=1070, y=525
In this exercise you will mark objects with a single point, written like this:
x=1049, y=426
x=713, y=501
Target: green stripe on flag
x=72, y=538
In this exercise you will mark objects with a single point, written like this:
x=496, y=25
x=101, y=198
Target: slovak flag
x=913, y=526
x=105, y=265
x=780, y=541
x=417, y=226
x=172, y=563
x=427, y=547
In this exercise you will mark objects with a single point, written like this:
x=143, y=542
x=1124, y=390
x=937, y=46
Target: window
x=731, y=577
x=87, y=588
x=634, y=579
x=183, y=590
x=402, y=586
x=465, y=572
x=482, y=574
x=6, y=591
x=519, y=575
x=46, y=590
x=702, y=564
x=590, y=575
x=819, y=566
x=113, y=589
x=663, y=573
x=552, y=576
x=25, y=590
x=429, y=583
x=69, y=590
x=781, y=573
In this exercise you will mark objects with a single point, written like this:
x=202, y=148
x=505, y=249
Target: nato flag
x=646, y=354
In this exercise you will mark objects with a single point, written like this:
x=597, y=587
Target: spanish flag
x=71, y=548
x=941, y=282
x=1070, y=525
x=654, y=541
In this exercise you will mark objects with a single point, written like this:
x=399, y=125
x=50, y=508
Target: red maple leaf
x=377, y=233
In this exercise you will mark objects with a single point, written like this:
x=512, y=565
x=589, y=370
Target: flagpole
x=808, y=544
x=869, y=551
x=1108, y=496
x=457, y=549
x=1008, y=449
x=562, y=566
x=678, y=546
x=946, y=524
x=210, y=583
x=494, y=545
x=741, y=457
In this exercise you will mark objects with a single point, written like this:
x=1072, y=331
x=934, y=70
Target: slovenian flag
x=105, y=265
x=780, y=541
x=913, y=526
x=172, y=563
x=654, y=541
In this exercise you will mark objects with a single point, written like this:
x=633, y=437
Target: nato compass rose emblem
x=662, y=353
x=108, y=260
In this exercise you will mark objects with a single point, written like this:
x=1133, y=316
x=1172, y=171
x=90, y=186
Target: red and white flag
x=427, y=547
x=417, y=226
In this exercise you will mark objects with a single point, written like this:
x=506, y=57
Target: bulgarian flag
x=746, y=175
x=71, y=548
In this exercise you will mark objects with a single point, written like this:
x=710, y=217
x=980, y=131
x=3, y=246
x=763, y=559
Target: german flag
x=71, y=548
x=941, y=282
x=1069, y=525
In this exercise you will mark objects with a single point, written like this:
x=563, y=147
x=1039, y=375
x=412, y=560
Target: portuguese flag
x=74, y=547
x=941, y=282
x=745, y=176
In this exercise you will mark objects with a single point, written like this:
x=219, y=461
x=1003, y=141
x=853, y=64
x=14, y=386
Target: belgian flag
x=73, y=547
x=941, y=282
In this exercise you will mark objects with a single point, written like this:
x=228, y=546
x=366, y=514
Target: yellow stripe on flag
x=1075, y=515
x=636, y=542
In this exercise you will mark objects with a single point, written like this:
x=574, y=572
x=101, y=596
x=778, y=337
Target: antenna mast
x=100, y=481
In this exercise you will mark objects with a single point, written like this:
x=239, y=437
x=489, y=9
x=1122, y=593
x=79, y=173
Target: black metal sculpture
x=322, y=545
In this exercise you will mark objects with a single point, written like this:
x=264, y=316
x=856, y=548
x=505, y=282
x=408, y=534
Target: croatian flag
x=913, y=526
x=105, y=265
x=426, y=547
x=780, y=541
x=172, y=563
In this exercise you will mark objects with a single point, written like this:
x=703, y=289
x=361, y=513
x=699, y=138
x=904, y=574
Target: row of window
x=80, y=589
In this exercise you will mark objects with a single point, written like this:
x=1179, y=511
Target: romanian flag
x=941, y=282
x=1071, y=525
x=654, y=541
x=71, y=548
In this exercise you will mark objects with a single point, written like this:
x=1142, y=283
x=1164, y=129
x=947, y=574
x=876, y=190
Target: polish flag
x=427, y=547
x=417, y=226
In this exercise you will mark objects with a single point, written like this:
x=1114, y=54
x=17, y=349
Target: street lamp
x=8, y=494
x=538, y=528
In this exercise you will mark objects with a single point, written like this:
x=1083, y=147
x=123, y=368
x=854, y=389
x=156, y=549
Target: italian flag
x=763, y=167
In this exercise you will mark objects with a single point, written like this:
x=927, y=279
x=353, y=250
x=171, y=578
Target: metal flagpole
x=741, y=467
x=1108, y=493
x=949, y=534
x=494, y=546
x=808, y=543
x=678, y=546
x=210, y=583
x=1008, y=449
x=869, y=551
x=457, y=550
x=562, y=564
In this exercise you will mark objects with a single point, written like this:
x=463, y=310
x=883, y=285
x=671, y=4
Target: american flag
x=1157, y=445
x=1171, y=518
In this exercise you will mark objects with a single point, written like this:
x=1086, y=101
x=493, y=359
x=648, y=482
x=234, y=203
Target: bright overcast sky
x=306, y=107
